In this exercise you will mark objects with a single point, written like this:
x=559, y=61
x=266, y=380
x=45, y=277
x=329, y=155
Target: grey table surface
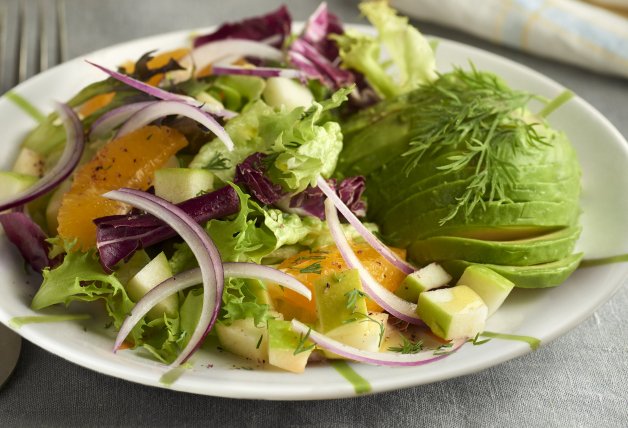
x=580, y=379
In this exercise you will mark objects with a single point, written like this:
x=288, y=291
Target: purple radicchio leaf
x=274, y=26
x=29, y=239
x=316, y=55
x=312, y=200
x=250, y=173
x=119, y=236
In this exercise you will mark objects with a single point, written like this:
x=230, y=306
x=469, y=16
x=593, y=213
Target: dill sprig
x=301, y=345
x=482, y=123
x=408, y=347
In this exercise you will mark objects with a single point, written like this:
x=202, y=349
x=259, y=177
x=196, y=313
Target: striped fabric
x=591, y=34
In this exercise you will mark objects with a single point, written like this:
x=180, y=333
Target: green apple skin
x=488, y=284
x=244, y=338
x=453, y=313
x=151, y=275
x=180, y=184
x=280, y=91
x=536, y=276
x=14, y=183
x=427, y=278
x=282, y=344
x=330, y=293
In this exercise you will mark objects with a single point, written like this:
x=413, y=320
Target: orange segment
x=129, y=161
x=95, y=103
x=309, y=266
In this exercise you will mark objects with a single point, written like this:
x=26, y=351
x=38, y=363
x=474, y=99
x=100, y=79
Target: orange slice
x=310, y=266
x=129, y=161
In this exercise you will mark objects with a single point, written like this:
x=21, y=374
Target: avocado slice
x=519, y=252
x=536, y=276
x=395, y=225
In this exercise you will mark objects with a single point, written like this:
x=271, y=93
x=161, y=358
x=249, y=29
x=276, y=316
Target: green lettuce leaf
x=299, y=147
x=410, y=52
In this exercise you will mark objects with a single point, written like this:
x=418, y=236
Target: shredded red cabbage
x=350, y=190
x=316, y=55
x=118, y=237
x=29, y=239
x=251, y=174
x=276, y=26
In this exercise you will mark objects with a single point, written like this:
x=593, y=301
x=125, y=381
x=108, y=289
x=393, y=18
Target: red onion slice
x=288, y=73
x=210, y=53
x=113, y=118
x=377, y=245
x=393, y=304
x=192, y=277
x=203, y=249
x=156, y=92
x=166, y=108
x=376, y=358
x=70, y=157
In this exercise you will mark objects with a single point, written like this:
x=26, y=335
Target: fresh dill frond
x=408, y=347
x=218, y=162
x=362, y=317
x=301, y=346
x=479, y=120
x=352, y=298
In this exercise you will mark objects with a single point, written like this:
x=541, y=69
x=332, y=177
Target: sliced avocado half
x=536, y=276
x=544, y=248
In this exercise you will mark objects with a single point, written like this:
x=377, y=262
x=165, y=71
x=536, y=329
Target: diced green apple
x=332, y=294
x=453, y=313
x=13, y=183
x=282, y=345
x=179, y=184
x=29, y=162
x=151, y=275
x=242, y=337
x=365, y=333
x=281, y=91
x=427, y=278
x=489, y=285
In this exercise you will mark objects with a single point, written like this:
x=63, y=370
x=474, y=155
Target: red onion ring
x=393, y=304
x=156, y=92
x=192, y=277
x=166, y=108
x=203, y=249
x=113, y=118
x=369, y=357
x=289, y=73
x=70, y=157
x=209, y=53
x=368, y=236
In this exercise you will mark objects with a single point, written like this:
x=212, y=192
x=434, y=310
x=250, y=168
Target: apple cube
x=453, y=313
x=488, y=284
x=427, y=278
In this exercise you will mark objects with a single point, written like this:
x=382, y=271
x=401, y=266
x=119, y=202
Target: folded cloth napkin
x=592, y=34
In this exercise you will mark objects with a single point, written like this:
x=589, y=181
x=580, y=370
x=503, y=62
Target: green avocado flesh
x=459, y=171
x=535, y=276
x=519, y=252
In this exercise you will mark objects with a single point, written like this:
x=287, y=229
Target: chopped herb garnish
x=444, y=349
x=218, y=162
x=352, y=298
x=313, y=268
x=408, y=347
x=302, y=341
x=259, y=342
x=476, y=340
x=359, y=316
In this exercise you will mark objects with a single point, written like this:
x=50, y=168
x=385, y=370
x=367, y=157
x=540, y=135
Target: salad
x=196, y=193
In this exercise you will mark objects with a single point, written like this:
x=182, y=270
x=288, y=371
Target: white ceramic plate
x=545, y=314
